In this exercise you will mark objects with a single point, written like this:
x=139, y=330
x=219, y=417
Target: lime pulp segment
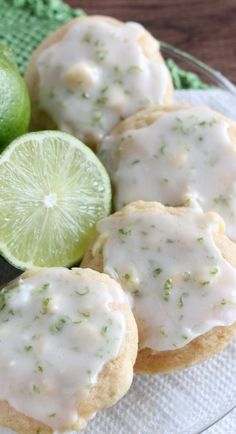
x=53, y=190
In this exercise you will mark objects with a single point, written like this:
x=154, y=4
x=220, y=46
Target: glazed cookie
x=179, y=271
x=68, y=342
x=93, y=72
x=179, y=156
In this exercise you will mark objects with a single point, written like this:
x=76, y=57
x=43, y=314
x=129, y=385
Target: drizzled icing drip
x=178, y=282
x=97, y=75
x=184, y=158
x=57, y=331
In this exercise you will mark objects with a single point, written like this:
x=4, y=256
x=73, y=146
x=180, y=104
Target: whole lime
x=14, y=100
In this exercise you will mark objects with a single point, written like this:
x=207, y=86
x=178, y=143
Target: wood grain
x=205, y=28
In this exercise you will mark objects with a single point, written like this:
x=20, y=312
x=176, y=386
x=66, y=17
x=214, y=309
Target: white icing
x=178, y=282
x=57, y=331
x=183, y=158
x=98, y=74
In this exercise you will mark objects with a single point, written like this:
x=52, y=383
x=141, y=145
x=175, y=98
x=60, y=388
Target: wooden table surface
x=205, y=28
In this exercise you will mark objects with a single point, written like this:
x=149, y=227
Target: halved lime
x=53, y=190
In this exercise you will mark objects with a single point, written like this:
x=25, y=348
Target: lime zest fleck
x=101, y=101
x=186, y=276
x=85, y=95
x=167, y=287
x=2, y=301
x=136, y=293
x=134, y=68
x=221, y=199
x=162, y=332
x=127, y=276
x=36, y=389
x=87, y=38
x=42, y=288
x=96, y=116
x=214, y=270
x=85, y=314
x=116, y=69
x=124, y=231
x=58, y=326
x=40, y=368
x=223, y=302
x=45, y=303
x=82, y=291
x=204, y=282
x=157, y=271
x=181, y=302
x=162, y=149
x=104, y=330
x=101, y=54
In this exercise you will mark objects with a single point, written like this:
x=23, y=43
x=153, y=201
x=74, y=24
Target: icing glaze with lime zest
x=178, y=282
x=185, y=157
x=98, y=74
x=57, y=332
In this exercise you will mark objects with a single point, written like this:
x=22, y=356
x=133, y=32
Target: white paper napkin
x=188, y=401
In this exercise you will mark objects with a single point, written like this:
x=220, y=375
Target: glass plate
x=190, y=401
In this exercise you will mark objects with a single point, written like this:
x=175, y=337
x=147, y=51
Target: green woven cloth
x=25, y=23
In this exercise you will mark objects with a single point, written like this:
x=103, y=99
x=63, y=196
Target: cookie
x=93, y=72
x=68, y=342
x=178, y=269
x=179, y=156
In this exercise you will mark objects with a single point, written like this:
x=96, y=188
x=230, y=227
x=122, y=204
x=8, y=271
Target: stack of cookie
x=163, y=293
